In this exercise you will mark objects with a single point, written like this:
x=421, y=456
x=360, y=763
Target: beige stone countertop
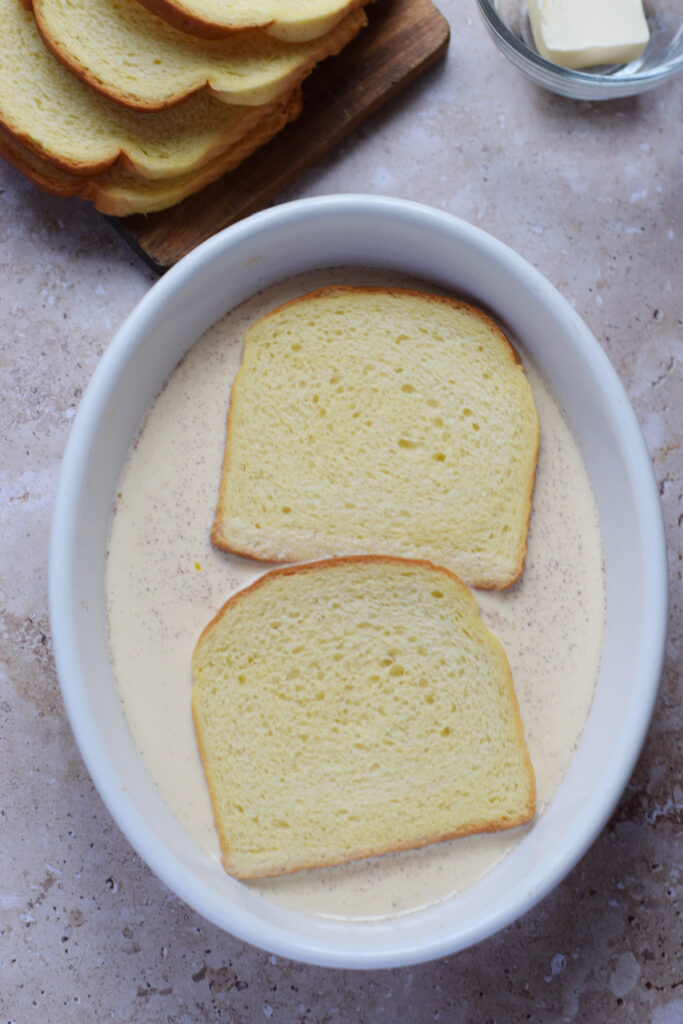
x=592, y=195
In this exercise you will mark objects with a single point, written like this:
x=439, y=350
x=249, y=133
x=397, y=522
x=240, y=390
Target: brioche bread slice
x=119, y=193
x=60, y=119
x=289, y=20
x=127, y=53
x=353, y=707
x=385, y=421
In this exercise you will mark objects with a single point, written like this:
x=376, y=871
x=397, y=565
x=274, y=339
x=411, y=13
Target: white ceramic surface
x=396, y=235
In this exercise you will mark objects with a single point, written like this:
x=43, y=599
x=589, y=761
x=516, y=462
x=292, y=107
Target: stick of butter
x=583, y=33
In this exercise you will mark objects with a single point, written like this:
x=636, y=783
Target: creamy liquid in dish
x=165, y=583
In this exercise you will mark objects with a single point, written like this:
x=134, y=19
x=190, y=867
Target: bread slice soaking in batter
x=352, y=707
x=385, y=421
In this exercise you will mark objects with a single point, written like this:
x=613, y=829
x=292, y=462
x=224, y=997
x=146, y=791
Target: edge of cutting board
x=402, y=39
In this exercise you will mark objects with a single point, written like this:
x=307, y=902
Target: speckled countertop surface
x=592, y=195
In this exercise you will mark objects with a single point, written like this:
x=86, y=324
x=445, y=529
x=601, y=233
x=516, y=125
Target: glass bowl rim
x=570, y=75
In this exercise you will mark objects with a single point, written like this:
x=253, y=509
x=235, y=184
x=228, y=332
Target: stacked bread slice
x=291, y=20
x=104, y=100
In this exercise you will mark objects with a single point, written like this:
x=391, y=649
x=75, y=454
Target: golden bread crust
x=275, y=540
x=214, y=645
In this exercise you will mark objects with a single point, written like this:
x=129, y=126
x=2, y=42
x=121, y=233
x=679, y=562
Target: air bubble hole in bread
x=352, y=707
x=384, y=421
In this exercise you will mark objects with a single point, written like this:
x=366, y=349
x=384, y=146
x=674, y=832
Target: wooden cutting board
x=402, y=39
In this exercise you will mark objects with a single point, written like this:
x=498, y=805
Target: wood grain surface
x=403, y=38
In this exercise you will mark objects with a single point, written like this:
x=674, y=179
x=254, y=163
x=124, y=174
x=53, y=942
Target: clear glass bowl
x=508, y=23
